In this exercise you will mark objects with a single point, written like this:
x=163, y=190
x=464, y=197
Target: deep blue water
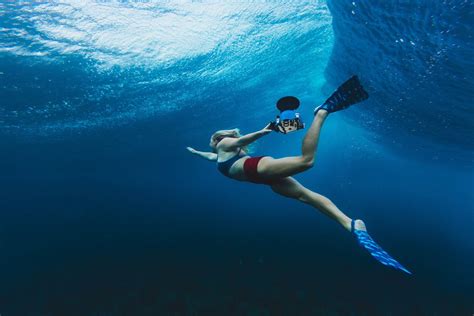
x=103, y=211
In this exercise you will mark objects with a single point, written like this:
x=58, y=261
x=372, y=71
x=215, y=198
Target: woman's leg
x=285, y=167
x=291, y=188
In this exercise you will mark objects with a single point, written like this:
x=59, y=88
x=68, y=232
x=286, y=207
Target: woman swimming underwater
x=231, y=154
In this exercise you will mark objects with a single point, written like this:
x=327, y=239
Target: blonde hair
x=233, y=133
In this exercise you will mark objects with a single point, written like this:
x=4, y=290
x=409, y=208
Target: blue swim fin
x=364, y=239
x=349, y=93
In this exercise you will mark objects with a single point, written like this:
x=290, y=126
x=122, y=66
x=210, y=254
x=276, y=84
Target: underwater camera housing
x=288, y=121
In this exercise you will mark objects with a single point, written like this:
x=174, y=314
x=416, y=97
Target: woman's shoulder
x=225, y=146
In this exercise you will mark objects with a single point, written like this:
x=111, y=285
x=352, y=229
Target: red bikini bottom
x=250, y=170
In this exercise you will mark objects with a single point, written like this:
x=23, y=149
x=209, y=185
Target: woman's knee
x=297, y=195
x=290, y=188
x=307, y=162
x=302, y=195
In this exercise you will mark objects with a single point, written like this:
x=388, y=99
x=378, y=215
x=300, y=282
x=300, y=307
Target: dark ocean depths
x=104, y=212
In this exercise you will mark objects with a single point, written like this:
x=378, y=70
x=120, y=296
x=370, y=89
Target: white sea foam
x=160, y=33
x=181, y=49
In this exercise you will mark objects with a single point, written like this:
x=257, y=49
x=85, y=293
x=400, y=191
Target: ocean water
x=104, y=212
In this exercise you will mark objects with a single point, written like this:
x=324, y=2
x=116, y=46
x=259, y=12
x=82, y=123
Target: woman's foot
x=358, y=225
x=355, y=224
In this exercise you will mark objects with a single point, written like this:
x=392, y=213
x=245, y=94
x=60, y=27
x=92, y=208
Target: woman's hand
x=203, y=154
x=267, y=129
x=191, y=150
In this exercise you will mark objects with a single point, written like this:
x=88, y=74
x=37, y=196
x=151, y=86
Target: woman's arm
x=231, y=143
x=205, y=155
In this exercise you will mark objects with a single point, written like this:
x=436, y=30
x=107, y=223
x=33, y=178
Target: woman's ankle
x=346, y=223
x=321, y=114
